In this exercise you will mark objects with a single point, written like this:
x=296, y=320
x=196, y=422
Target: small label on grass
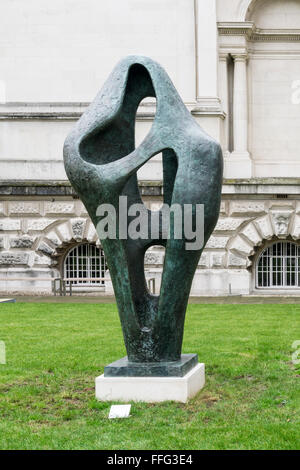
x=119, y=411
x=2, y=353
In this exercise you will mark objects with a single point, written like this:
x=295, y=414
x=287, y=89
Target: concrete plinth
x=151, y=389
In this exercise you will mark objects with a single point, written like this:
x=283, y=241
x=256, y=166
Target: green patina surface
x=101, y=162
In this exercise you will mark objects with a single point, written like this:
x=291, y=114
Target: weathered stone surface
x=235, y=261
x=21, y=207
x=10, y=224
x=1, y=242
x=155, y=206
x=223, y=208
x=228, y=224
x=38, y=225
x=78, y=226
x=217, y=260
x=241, y=247
x=203, y=262
x=298, y=207
x=43, y=260
x=91, y=234
x=295, y=230
x=247, y=208
x=282, y=205
x=11, y=258
x=65, y=232
x=54, y=238
x=57, y=208
x=217, y=242
x=2, y=208
x=264, y=227
x=46, y=249
x=102, y=160
x=49, y=188
x=252, y=235
x=57, y=188
x=152, y=257
x=23, y=241
x=80, y=209
x=281, y=221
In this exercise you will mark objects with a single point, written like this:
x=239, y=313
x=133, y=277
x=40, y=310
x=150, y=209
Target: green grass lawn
x=54, y=351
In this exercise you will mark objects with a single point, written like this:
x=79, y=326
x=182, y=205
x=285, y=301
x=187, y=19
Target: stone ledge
x=62, y=188
x=267, y=186
x=36, y=188
x=72, y=111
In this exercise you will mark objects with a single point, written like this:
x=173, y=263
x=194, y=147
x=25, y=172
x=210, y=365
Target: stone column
x=240, y=105
x=207, y=107
x=241, y=166
x=206, y=48
x=223, y=94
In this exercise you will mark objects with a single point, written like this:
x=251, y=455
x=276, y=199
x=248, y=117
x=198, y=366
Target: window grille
x=278, y=266
x=85, y=264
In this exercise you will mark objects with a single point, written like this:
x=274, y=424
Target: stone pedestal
x=124, y=368
x=151, y=389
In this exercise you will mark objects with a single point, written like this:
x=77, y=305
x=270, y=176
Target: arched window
x=85, y=265
x=279, y=266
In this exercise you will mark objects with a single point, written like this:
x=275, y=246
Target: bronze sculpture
x=101, y=162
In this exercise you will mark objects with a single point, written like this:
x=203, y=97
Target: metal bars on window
x=85, y=264
x=278, y=266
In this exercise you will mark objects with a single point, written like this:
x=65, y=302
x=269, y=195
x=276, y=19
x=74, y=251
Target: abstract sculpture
x=101, y=162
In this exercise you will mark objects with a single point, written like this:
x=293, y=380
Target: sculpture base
x=124, y=368
x=151, y=389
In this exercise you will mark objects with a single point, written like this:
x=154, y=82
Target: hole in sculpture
x=162, y=167
x=153, y=169
x=153, y=264
x=114, y=137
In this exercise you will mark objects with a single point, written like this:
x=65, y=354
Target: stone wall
x=37, y=231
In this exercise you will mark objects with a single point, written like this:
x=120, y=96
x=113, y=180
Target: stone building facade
x=235, y=64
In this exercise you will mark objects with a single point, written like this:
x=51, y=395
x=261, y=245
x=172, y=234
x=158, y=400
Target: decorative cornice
x=236, y=28
x=73, y=111
x=280, y=35
x=253, y=33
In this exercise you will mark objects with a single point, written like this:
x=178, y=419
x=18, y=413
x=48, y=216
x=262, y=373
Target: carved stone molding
x=240, y=56
x=253, y=33
x=277, y=224
x=236, y=28
x=283, y=35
